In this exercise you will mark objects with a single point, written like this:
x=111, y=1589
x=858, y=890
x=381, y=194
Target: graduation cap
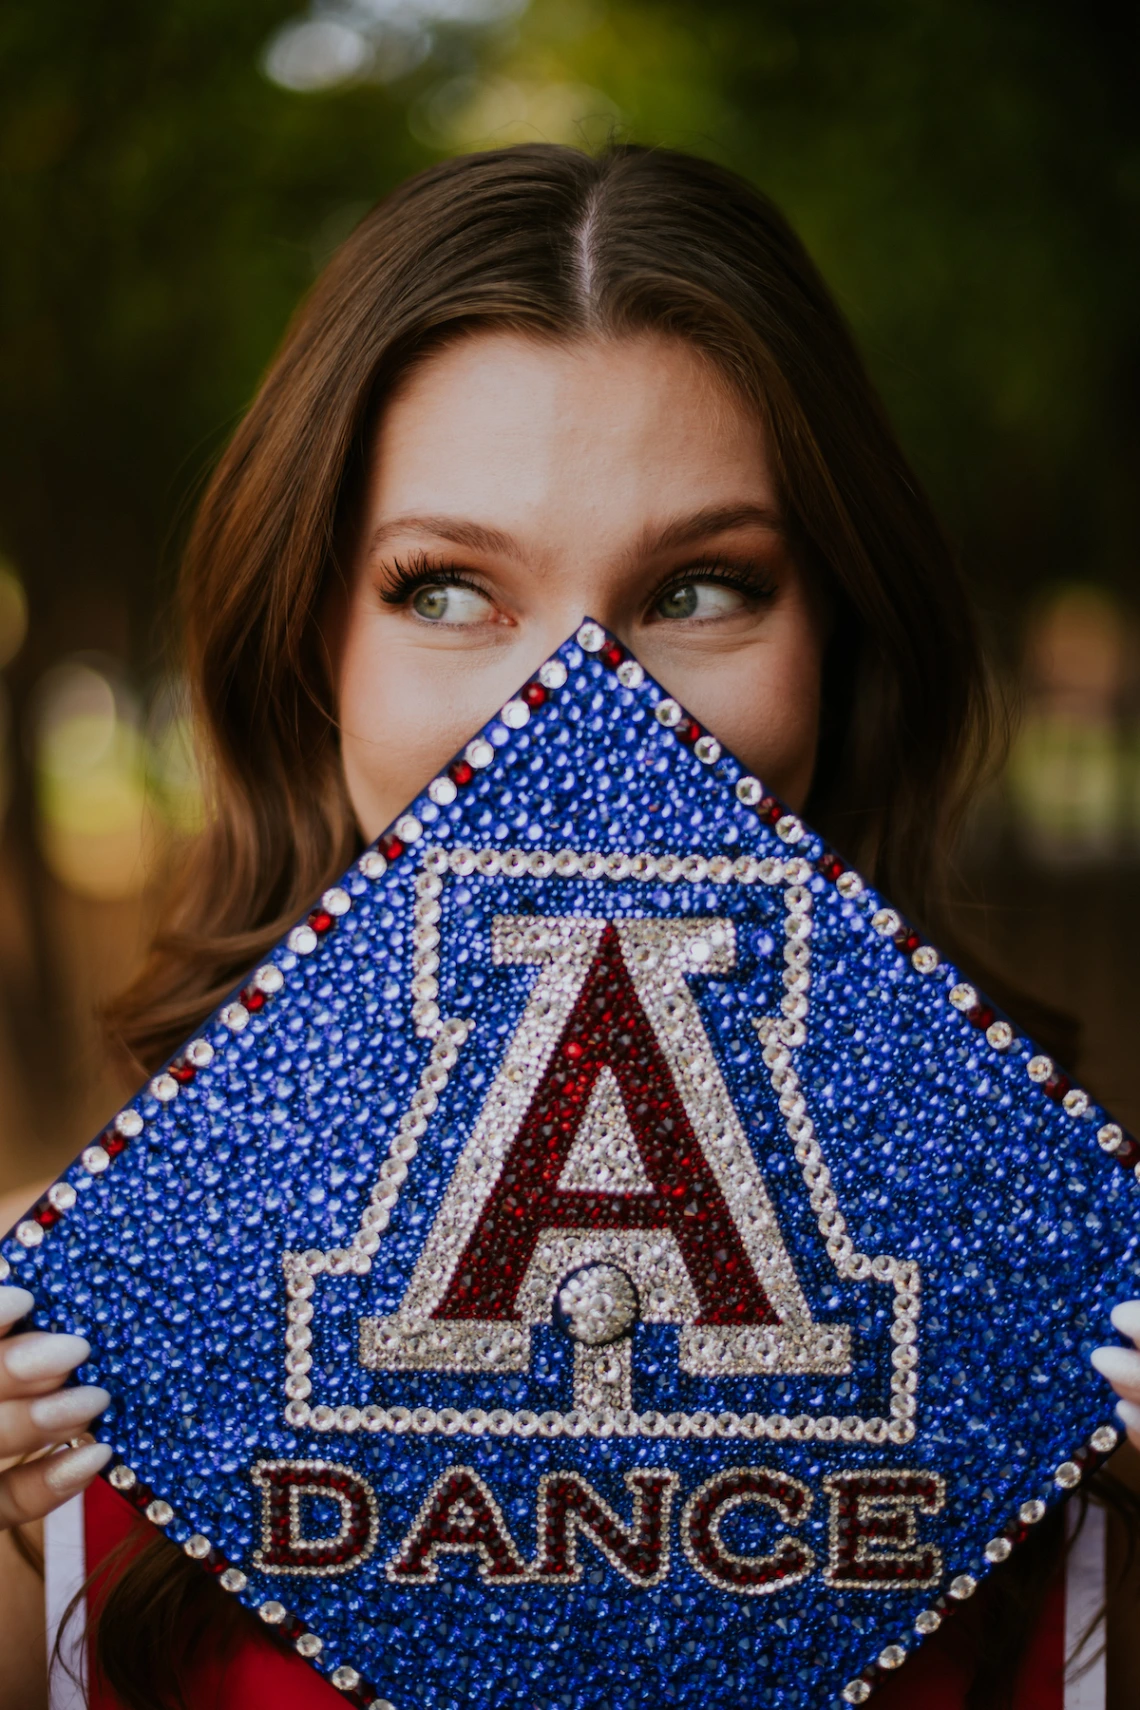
x=603, y=1254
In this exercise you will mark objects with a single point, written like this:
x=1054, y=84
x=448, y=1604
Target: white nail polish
x=41, y=1355
x=1129, y=1412
x=70, y=1471
x=67, y=1408
x=1118, y=1365
x=15, y=1303
x=1126, y=1318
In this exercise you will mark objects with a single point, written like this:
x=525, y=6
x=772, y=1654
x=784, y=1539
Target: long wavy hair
x=559, y=245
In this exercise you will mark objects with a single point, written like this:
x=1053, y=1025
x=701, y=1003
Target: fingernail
x=15, y=1303
x=43, y=1355
x=71, y=1470
x=68, y=1408
x=1129, y=1411
x=1121, y=1366
x=1126, y=1318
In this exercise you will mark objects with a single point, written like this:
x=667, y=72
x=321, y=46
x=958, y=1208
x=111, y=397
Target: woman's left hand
x=1121, y=1366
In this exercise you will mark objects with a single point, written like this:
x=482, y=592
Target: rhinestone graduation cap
x=603, y=1257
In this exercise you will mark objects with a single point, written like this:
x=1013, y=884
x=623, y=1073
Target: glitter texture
x=603, y=1258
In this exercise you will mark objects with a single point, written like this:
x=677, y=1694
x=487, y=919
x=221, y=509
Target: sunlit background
x=171, y=178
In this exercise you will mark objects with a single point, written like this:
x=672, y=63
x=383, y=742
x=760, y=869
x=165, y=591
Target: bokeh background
x=173, y=175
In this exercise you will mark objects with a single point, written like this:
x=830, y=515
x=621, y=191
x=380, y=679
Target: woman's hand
x=36, y=1412
x=1121, y=1366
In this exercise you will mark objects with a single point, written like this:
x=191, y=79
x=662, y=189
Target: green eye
x=678, y=602
x=431, y=602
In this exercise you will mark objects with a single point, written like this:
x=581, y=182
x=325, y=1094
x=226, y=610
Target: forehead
x=499, y=420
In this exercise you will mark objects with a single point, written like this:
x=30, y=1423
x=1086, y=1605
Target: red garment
x=936, y=1677
x=260, y=1673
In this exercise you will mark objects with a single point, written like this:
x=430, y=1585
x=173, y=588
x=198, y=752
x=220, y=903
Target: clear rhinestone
x=408, y=828
x=886, y=922
x=849, y=884
x=1000, y=1035
x=442, y=791
x=129, y=1123
x=122, y=1478
x=667, y=712
x=926, y=958
x=963, y=996
x=163, y=1088
x=29, y=1233
x=1067, y=1475
x=1111, y=1136
x=892, y=1656
x=95, y=1160
x=198, y=1547
x=856, y=1692
x=927, y=1621
x=515, y=714
x=233, y=1580
x=336, y=901
x=309, y=1645
x=707, y=748
x=553, y=674
x=998, y=1549
x=963, y=1586
x=1031, y=1512
x=62, y=1196
x=235, y=1016
x=749, y=791
x=1076, y=1102
x=302, y=940
x=345, y=1679
x=789, y=828
x=630, y=675
x=1104, y=1439
x=479, y=753
x=372, y=864
x=159, y=1513
x=598, y=1304
x=1039, y=1068
x=199, y=1051
x=591, y=637
x=272, y=1613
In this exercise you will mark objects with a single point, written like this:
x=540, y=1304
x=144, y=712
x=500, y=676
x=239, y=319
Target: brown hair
x=549, y=241
x=554, y=243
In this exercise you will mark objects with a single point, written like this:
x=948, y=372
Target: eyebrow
x=460, y=531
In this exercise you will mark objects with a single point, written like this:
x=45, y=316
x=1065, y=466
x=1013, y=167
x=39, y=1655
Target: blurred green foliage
x=967, y=173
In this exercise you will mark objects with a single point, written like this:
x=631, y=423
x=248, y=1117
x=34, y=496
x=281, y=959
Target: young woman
x=532, y=385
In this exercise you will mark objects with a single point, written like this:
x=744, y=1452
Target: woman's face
x=517, y=486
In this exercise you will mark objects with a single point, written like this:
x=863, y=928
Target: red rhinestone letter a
x=608, y=1136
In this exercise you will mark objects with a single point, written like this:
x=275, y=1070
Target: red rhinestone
x=1127, y=1152
x=981, y=1016
x=460, y=772
x=612, y=655
x=390, y=847
x=907, y=940
x=687, y=731
x=534, y=695
x=255, y=1000
x=1056, y=1087
x=113, y=1143
x=320, y=920
x=183, y=1073
x=770, y=810
x=831, y=867
x=45, y=1214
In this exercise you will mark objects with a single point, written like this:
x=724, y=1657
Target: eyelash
x=404, y=579
x=745, y=575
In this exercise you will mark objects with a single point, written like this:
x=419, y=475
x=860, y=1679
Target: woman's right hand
x=36, y=1412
